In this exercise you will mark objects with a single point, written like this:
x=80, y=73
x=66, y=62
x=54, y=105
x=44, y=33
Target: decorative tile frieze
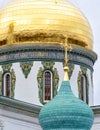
x=71, y=68
x=55, y=81
x=78, y=55
x=13, y=82
x=55, y=78
x=26, y=67
x=83, y=73
x=7, y=69
x=48, y=65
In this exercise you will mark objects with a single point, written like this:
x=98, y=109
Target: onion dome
x=44, y=21
x=65, y=111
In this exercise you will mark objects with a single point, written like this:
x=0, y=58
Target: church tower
x=32, y=36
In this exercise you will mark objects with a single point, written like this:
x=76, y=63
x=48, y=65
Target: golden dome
x=44, y=21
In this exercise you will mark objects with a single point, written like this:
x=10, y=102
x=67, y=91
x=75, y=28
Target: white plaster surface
x=96, y=125
x=26, y=89
x=15, y=121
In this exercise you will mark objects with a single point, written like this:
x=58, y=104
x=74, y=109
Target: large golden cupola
x=44, y=21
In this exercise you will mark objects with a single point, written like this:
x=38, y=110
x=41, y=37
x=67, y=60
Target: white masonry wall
x=15, y=121
x=26, y=89
x=96, y=125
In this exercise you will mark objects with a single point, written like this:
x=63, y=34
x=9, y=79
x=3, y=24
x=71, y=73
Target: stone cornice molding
x=41, y=52
x=20, y=107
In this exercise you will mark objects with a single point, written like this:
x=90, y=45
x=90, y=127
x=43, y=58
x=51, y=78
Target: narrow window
x=47, y=91
x=84, y=88
x=7, y=85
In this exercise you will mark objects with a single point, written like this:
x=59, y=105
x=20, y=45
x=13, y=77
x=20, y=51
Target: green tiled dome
x=66, y=112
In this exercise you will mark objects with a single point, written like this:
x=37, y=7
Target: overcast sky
x=91, y=9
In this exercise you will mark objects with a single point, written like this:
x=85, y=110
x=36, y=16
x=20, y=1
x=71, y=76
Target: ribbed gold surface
x=43, y=21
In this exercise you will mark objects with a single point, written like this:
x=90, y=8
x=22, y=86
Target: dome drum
x=34, y=56
x=52, y=52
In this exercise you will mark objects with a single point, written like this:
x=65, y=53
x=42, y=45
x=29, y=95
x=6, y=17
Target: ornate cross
x=67, y=48
x=66, y=68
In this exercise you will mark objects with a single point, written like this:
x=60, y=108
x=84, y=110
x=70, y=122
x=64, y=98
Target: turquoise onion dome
x=66, y=112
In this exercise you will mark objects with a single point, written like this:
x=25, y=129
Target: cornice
x=41, y=52
x=17, y=106
x=27, y=108
x=96, y=109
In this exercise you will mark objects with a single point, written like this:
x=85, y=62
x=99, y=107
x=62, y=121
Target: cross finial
x=67, y=48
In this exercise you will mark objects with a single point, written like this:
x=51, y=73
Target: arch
x=83, y=84
x=53, y=73
x=7, y=85
x=47, y=86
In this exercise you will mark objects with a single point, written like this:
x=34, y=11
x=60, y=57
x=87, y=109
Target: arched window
x=84, y=88
x=7, y=85
x=47, y=85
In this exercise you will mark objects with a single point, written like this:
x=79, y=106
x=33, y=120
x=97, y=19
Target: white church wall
x=26, y=89
x=15, y=121
x=96, y=125
x=59, y=67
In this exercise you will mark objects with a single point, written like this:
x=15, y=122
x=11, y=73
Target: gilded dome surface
x=46, y=21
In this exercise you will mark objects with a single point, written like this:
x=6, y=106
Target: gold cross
x=67, y=48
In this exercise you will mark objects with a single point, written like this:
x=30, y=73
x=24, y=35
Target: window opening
x=84, y=88
x=47, y=86
x=7, y=85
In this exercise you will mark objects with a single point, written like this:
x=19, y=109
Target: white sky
x=91, y=9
